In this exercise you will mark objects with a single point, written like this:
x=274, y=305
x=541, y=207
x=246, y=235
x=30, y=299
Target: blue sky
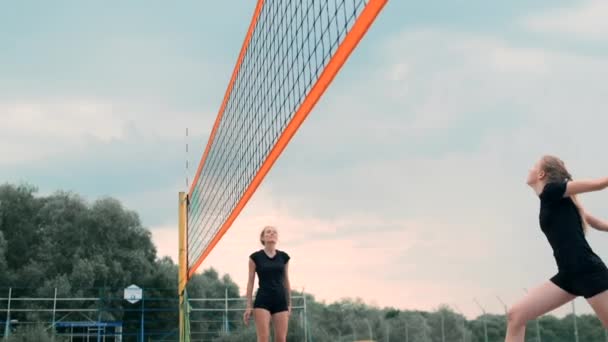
x=414, y=159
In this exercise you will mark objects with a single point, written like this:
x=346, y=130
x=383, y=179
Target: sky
x=405, y=186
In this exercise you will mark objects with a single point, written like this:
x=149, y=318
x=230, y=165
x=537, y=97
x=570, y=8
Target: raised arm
x=587, y=185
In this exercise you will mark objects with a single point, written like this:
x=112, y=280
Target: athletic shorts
x=273, y=301
x=585, y=284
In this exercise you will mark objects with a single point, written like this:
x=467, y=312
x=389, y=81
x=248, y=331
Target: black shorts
x=586, y=284
x=273, y=301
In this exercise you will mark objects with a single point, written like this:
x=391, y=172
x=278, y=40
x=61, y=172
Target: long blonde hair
x=556, y=172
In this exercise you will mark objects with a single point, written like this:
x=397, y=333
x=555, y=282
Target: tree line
x=60, y=243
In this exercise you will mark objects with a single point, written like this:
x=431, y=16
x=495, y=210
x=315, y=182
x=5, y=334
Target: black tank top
x=561, y=223
x=271, y=271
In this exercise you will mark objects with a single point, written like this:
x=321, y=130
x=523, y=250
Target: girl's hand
x=247, y=316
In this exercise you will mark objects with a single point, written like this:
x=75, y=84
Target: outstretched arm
x=588, y=185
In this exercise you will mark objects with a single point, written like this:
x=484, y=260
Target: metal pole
x=575, y=325
x=442, y=327
x=506, y=313
x=369, y=327
x=54, y=310
x=100, y=309
x=305, y=318
x=227, y=328
x=464, y=327
x=424, y=326
x=142, y=316
x=538, y=331
x=407, y=333
x=7, y=325
x=504, y=306
x=388, y=332
x=485, y=325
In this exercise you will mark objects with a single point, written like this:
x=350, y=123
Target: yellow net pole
x=183, y=266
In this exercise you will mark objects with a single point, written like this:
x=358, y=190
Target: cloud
x=36, y=130
x=43, y=130
x=469, y=115
x=584, y=20
x=69, y=120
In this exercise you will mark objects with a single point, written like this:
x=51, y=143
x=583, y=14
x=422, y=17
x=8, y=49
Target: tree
x=446, y=325
x=62, y=243
x=3, y=264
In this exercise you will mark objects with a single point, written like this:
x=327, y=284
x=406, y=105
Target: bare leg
x=599, y=303
x=262, y=324
x=280, y=321
x=537, y=302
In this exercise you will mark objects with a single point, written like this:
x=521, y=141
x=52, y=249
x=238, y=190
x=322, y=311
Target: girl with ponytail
x=564, y=222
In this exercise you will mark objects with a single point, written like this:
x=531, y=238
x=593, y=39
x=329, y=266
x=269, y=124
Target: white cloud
x=31, y=131
x=585, y=20
x=67, y=120
x=481, y=86
x=35, y=130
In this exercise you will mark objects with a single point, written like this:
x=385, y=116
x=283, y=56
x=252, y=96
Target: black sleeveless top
x=561, y=223
x=271, y=271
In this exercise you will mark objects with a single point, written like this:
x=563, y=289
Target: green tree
x=3, y=264
x=446, y=325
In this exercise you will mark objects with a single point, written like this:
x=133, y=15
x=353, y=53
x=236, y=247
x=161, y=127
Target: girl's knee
x=263, y=334
x=516, y=317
